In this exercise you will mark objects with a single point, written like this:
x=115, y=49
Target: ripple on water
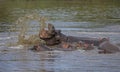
x=57, y=61
x=4, y=38
x=17, y=47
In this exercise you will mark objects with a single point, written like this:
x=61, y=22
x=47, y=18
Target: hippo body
x=60, y=37
x=87, y=40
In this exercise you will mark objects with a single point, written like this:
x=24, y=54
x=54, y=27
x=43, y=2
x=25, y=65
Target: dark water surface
x=85, y=18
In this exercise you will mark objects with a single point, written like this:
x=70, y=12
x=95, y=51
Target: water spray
x=23, y=26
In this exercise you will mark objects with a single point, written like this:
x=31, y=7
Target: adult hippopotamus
x=54, y=37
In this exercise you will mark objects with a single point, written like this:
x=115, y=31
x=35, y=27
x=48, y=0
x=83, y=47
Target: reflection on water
x=56, y=61
x=86, y=18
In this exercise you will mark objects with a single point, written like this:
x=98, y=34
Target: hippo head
x=47, y=33
x=50, y=35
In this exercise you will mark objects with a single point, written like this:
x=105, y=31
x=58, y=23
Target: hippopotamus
x=54, y=37
x=107, y=47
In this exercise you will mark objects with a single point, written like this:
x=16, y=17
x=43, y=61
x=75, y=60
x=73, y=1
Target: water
x=95, y=18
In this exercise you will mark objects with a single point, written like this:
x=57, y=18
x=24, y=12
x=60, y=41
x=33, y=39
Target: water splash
x=23, y=26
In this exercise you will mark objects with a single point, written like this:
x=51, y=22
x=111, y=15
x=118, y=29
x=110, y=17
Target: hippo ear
x=51, y=28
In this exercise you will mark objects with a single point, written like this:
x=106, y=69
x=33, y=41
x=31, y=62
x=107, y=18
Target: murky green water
x=88, y=18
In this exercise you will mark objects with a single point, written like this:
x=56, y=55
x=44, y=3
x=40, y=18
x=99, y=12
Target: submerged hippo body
x=49, y=48
x=64, y=46
x=87, y=40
